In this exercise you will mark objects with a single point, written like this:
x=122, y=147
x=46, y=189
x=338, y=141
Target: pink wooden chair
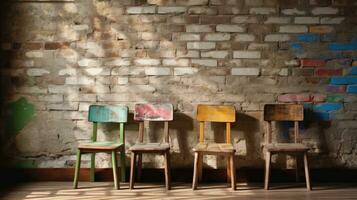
x=151, y=112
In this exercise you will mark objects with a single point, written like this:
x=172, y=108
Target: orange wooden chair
x=214, y=113
x=284, y=112
x=151, y=112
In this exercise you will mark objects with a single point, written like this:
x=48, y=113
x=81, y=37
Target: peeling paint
x=18, y=114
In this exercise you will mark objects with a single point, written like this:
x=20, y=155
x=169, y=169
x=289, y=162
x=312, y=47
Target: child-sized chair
x=284, y=112
x=104, y=114
x=151, y=112
x=215, y=113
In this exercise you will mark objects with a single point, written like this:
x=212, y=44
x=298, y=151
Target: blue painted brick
x=353, y=71
x=352, y=89
x=327, y=107
x=322, y=116
x=343, y=80
x=342, y=46
x=295, y=46
x=308, y=37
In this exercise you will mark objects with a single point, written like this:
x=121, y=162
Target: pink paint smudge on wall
x=153, y=112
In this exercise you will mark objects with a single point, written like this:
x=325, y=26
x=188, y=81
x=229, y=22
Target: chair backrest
x=215, y=113
x=153, y=112
x=108, y=114
x=283, y=112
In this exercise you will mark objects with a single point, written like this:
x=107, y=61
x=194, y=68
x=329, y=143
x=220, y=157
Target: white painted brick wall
x=262, y=11
x=171, y=9
x=277, y=38
x=247, y=54
x=176, y=62
x=37, y=72
x=117, y=62
x=34, y=54
x=201, y=45
x=245, y=71
x=141, y=10
x=293, y=29
x=217, y=36
x=181, y=71
x=230, y=28
x=324, y=11
x=244, y=38
x=293, y=11
x=186, y=37
x=157, y=71
x=245, y=19
x=278, y=20
x=88, y=62
x=187, y=54
x=204, y=62
x=79, y=80
x=198, y=28
x=214, y=54
x=147, y=61
x=332, y=20
x=306, y=20
x=67, y=72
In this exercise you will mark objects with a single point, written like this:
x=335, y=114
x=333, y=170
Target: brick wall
x=58, y=58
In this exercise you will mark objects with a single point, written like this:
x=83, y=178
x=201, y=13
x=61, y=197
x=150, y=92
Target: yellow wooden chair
x=214, y=113
x=284, y=112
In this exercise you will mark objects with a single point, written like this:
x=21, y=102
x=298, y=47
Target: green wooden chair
x=104, y=114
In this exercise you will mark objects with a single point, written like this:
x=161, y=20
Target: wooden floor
x=104, y=190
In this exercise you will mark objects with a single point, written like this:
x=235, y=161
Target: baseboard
x=179, y=175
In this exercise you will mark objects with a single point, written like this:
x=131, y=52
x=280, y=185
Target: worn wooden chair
x=284, y=112
x=104, y=114
x=151, y=112
x=214, y=113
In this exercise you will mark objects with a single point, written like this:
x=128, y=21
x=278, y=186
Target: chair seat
x=150, y=147
x=100, y=146
x=286, y=147
x=214, y=148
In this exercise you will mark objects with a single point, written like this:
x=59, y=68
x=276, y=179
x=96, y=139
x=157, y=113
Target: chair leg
x=229, y=174
x=195, y=169
x=122, y=166
x=297, y=177
x=267, y=170
x=132, y=170
x=307, y=176
x=115, y=170
x=140, y=165
x=76, y=171
x=233, y=172
x=200, y=167
x=92, y=167
x=167, y=170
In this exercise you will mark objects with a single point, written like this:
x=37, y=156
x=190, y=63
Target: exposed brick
x=33, y=46
x=147, y=61
x=246, y=54
x=312, y=63
x=202, y=11
x=324, y=11
x=321, y=29
x=181, y=71
x=262, y=11
x=245, y=19
x=278, y=20
x=192, y=2
x=331, y=20
x=204, y=62
x=293, y=11
x=56, y=45
x=229, y=28
x=214, y=54
x=294, y=98
x=157, y=71
x=141, y=10
x=175, y=62
x=318, y=97
x=303, y=72
x=277, y=38
x=198, y=28
x=244, y=37
x=201, y=45
x=217, y=36
x=245, y=71
x=37, y=72
x=171, y=9
x=328, y=72
x=306, y=20
x=187, y=54
x=215, y=19
x=186, y=37
x=293, y=29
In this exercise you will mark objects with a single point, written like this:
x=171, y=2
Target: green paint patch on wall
x=334, y=98
x=18, y=114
